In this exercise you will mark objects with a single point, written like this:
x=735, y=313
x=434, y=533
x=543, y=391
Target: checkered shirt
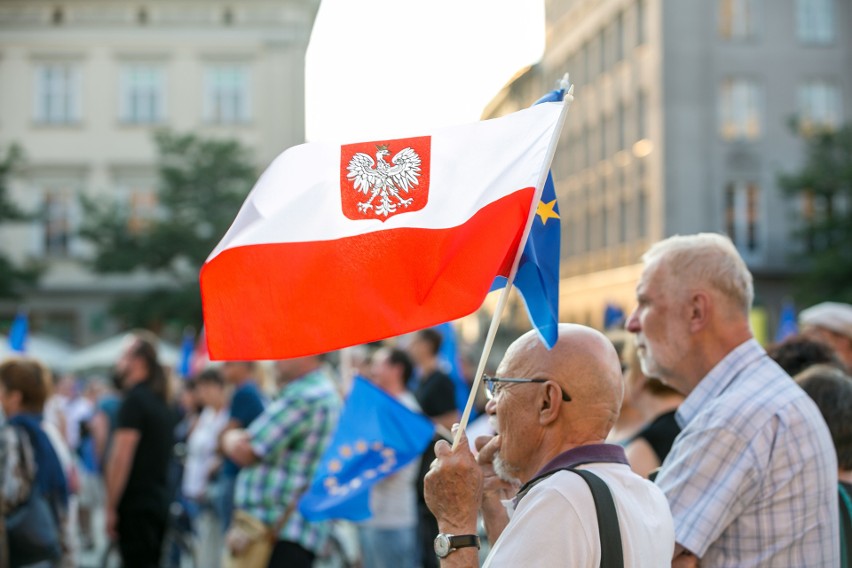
x=290, y=437
x=752, y=478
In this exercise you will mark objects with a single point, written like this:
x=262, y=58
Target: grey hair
x=709, y=259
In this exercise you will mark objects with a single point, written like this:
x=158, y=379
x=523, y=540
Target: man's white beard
x=504, y=471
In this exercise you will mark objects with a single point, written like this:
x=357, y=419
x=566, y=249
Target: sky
x=397, y=68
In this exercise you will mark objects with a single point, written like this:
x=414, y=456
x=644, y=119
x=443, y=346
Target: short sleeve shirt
x=246, y=405
x=290, y=437
x=555, y=524
x=146, y=413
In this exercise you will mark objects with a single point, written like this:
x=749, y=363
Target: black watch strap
x=463, y=541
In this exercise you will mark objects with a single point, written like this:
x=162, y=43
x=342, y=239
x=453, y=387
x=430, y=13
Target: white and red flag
x=339, y=245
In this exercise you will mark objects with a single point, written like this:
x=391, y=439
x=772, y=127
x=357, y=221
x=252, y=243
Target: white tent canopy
x=105, y=354
x=53, y=352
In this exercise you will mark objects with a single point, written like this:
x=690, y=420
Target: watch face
x=442, y=545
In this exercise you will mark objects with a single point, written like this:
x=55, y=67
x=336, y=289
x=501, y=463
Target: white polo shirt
x=555, y=524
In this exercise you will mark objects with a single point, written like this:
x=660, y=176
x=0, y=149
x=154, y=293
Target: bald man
x=752, y=478
x=552, y=411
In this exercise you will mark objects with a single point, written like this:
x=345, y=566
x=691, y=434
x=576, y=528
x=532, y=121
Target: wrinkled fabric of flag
x=538, y=271
x=376, y=436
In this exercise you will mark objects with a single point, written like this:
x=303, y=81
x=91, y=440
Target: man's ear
x=700, y=310
x=550, y=403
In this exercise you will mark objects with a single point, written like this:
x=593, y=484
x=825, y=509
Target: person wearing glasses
x=553, y=410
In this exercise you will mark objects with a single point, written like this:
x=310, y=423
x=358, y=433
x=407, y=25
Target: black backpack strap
x=612, y=553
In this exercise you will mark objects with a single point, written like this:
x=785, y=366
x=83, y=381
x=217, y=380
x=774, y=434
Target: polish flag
x=339, y=245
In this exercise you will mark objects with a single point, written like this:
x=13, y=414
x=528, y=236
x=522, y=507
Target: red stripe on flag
x=282, y=300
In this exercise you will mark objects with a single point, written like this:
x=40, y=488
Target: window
x=819, y=105
x=143, y=96
x=57, y=222
x=226, y=94
x=742, y=211
x=619, y=37
x=622, y=127
x=641, y=116
x=739, y=109
x=738, y=19
x=622, y=219
x=815, y=21
x=642, y=214
x=57, y=94
x=641, y=11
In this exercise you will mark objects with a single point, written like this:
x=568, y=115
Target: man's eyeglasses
x=493, y=388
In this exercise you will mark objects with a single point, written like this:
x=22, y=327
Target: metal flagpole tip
x=564, y=83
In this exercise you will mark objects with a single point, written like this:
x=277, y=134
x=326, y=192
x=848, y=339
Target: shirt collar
x=718, y=379
x=590, y=453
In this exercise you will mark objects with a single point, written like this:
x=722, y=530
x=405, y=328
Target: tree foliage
x=825, y=185
x=14, y=279
x=201, y=185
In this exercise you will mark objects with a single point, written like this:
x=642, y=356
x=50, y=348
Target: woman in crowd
x=657, y=404
x=24, y=388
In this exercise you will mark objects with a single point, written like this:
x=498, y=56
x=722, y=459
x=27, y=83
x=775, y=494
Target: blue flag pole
x=566, y=95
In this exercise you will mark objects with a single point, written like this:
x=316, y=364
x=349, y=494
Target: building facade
x=681, y=124
x=85, y=85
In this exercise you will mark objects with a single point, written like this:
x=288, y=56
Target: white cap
x=833, y=316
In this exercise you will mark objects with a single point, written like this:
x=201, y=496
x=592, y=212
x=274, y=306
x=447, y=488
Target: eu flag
x=538, y=271
x=376, y=436
x=18, y=333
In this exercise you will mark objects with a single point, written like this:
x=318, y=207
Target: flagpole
x=504, y=295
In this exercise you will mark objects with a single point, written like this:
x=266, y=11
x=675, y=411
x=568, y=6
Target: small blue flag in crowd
x=187, y=349
x=18, y=333
x=613, y=316
x=787, y=325
x=376, y=436
x=538, y=271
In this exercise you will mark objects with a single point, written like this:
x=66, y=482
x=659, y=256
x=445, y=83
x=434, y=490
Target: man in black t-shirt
x=436, y=395
x=137, y=502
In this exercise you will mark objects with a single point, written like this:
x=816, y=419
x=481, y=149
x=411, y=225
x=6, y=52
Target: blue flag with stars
x=537, y=278
x=376, y=436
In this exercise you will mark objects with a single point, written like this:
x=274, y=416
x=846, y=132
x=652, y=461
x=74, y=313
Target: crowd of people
x=687, y=444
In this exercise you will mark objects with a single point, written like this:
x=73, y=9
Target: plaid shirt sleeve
x=710, y=477
x=282, y=422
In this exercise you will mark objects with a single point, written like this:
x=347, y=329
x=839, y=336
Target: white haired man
x=553, y=410
x=752, y=478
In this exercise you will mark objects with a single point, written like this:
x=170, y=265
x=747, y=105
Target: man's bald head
x=585, y=364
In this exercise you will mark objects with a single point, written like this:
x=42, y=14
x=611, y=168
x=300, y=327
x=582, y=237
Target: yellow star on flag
x=545, y=211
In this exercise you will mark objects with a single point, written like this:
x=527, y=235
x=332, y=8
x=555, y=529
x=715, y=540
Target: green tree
x=825, y=184
x=14, y=279
x=202, y=183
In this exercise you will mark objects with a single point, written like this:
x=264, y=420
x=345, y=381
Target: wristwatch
x=447, y=543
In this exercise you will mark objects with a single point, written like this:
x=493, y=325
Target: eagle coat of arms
x=394, y=182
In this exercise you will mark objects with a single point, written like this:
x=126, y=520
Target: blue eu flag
x=538, y=272
x=376, y=436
